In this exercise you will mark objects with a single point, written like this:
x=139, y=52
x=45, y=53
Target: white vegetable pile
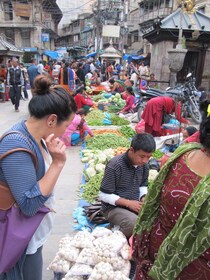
x=96, y=160
x=100, y=255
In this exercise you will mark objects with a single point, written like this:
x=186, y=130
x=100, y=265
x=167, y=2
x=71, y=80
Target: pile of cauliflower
x=96, y=160
x=100, y=255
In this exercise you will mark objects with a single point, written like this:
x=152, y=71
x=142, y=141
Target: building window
x=8, y=10
x=26, y=38
x=10, y=35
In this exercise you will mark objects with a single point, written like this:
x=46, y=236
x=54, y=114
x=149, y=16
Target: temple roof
x=195, y=26
x=190, y=21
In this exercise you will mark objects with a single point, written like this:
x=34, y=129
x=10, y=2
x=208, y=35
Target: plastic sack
x=69, y=253
x=70, y=277
x=118, y=275
x=102, y=271
x=83, y=239
x=88, y=256
x=59, y=265
x=125, y=252
x=65, y=241
x=140, y=127
x=80, y=270
x=126, y=268
x=100, y=232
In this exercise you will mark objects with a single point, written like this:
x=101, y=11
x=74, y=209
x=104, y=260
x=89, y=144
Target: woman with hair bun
x=171, y=237
x=51, y=111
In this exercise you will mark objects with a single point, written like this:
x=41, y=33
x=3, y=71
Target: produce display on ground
x=127, y=131
x=103, y=131
x=157, y=154
x=98, y=118
x=102, y=254
x=105, y=141
x=91, y=189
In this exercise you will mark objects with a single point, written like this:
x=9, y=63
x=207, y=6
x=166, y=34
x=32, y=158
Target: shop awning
x=134, y=57
x=52, y=54
x=91, y=54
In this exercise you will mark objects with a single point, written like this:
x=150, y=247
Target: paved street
x=65, y=189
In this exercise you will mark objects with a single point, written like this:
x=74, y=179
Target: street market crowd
x=162, y=219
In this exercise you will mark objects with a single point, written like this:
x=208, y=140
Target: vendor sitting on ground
x=116, y=86
x=129, y=101
x=125, y=182
x=95, y=79
x=77, y=130
x=82, y=99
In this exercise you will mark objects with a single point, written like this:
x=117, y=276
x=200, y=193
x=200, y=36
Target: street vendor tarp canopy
x=132, y=57
x=91, y=54
x=52, y=54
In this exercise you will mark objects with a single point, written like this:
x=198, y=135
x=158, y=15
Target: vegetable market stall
x=79, y=256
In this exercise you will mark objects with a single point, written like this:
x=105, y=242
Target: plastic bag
x=80, y=270
x=65, y=241
x=126, y=268
x=125, y=252
x=101, y=231
x=70, y=277
x=59, y=265
x=102, y=271
x=118, y=275
x=88, y=256
x=69, y=253
x=83, y=239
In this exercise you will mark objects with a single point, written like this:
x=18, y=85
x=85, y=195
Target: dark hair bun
x=42, y=85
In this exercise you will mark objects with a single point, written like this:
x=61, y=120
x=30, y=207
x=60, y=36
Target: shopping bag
x=16, y=231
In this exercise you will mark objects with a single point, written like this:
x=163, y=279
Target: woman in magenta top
x=77, y=130
x=129, y=101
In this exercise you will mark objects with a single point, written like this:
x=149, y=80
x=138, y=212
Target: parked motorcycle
x=188, y=91
x=191, y=97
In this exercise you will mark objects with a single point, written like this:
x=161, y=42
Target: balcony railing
x=162, y=12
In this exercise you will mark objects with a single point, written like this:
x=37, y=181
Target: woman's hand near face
x=56, y=148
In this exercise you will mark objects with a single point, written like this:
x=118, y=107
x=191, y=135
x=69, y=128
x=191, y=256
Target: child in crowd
x=77, y=130
x=129, y=101
x=2, y=90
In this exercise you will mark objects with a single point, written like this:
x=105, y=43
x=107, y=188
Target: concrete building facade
x=31, y=25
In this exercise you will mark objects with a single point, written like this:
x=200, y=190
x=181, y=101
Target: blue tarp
x=91, y=54
x=134, y=57
x=52, y=54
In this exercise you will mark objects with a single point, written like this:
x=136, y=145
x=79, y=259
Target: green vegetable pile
x=116, y=120
x=105, y=141
x=157, y=154
x=127, y=131
x=96, y=117
x=91, y=188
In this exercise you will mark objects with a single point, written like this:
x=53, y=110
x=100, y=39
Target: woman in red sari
x=154, y=110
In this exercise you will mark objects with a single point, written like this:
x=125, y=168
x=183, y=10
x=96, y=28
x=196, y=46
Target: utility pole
x=124, y=23
x=98, y=27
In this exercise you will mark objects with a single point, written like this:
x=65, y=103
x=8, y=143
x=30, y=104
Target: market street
x=65, y=191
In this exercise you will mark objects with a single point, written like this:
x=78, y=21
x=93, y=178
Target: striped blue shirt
x=18, y=170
